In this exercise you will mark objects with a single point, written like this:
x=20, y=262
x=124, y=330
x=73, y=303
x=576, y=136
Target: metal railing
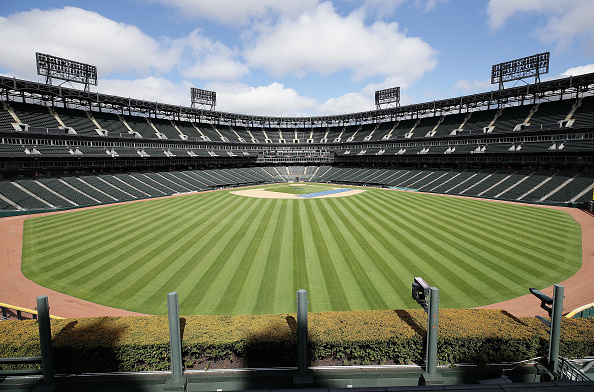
x=568, y=371
x=19, y=310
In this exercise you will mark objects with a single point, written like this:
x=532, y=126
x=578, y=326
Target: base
x=179, y=385
x=431, y=379
x=305, y=379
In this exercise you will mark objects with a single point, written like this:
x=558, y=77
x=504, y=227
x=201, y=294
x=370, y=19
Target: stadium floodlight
x=520, y=68
x=53, y=67
x=389, y=97
x=546, y=302
x=203, y=98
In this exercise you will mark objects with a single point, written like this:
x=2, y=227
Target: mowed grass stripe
x=163, y=273
x=207, y=291
x=83, y=253
x=476, y=263
x=525, y=246
x=332, y=284
x=544, y=223
x=310, y=272
x=347, y=280
x=184, y=271
x=371, y=249
x=299, y=267
x=538, y=260
x=56, y=232
x=271, y=261
x=359, y=268
x=389, y=244
x=500, y=238
x=536, y=227
x=502, y=245
x=234, y=299
x=163, y=257
x=260, y=270
x=284, y=295
x=102, y=232
x=89, y=253
x=141, y=253
x=482, y=212
x=233, y=255
x=433, y=265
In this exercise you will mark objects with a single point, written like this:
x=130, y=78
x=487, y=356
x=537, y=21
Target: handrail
x=580, y=309
x=30, y=311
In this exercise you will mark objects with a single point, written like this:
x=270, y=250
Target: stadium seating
x=537, y=148
x=36, y=116
x=77, y=120
x=110, y=122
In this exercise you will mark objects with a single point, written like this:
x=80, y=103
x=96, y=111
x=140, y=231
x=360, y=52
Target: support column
x=45, y=339
x=430, y=375
x=555, y=337
x=302, y=376
x=432, y=330
x=177, y=382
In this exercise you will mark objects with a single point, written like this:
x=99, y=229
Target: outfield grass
x=228, y=254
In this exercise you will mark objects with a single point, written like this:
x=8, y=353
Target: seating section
x=505, y=184
x=141, y=125
x=77, y=120
x=36, y=116
x=6, y=119
x=424, y=133
x=510, y=117
x=551, y=112
x=584, y=114
x=110, y=122
x=83, y=190
x=438, y=124
x=166, y=128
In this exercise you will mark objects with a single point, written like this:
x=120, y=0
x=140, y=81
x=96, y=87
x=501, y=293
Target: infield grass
x=298, y=189
x=228, y=254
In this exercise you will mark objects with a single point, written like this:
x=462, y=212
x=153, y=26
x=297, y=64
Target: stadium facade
x=62, y=147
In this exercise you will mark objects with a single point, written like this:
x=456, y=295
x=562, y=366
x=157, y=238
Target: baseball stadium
x=120, y=215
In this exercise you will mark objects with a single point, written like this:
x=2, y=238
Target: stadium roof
x=551, y=89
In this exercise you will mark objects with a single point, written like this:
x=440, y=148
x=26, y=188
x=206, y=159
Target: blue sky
x=295, y=57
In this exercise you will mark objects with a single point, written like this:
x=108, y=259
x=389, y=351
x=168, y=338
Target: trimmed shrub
x=342, y=338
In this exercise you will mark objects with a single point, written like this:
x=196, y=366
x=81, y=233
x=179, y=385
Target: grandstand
x=65, y=148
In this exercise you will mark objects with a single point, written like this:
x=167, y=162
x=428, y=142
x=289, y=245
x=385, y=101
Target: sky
x=295, y=57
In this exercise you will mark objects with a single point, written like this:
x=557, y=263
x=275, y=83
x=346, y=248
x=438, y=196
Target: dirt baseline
x=16, y=289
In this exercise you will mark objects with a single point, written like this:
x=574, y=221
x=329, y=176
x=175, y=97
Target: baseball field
x=231, y=254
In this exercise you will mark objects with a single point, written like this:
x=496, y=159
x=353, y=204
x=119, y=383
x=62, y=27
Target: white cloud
x=79, y=35
x=501, y=10
x=381, y=8
x=115, y=48
x=386, y=8
x=568, y=22
x=575, y=71
x=473, y=86
x=348, y=103
x=324, y=42
x=205, y=59
x=149, y=89
x=432, y=4
x=272, y=100
x=238, y=12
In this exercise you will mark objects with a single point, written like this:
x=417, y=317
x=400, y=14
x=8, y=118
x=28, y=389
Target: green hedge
x=341, y=338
